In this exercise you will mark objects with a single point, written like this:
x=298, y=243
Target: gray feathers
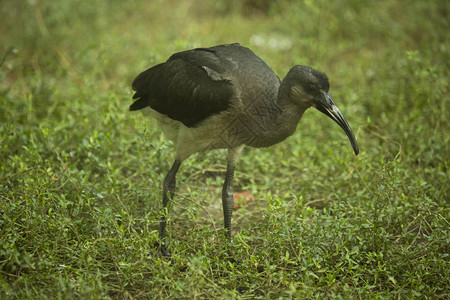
x=189, y=87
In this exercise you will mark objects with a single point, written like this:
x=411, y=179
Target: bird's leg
x=227, y=191
x=168, y=193
x=227, y=198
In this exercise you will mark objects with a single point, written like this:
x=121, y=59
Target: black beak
x=326, y=105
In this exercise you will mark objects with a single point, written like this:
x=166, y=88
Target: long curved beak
x=326, y=105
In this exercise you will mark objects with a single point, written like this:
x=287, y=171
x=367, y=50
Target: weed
x=81, y=177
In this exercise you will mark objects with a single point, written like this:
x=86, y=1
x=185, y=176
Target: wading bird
x=226, y=97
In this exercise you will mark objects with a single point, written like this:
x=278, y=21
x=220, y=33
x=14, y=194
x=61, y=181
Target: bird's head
x=309, y=87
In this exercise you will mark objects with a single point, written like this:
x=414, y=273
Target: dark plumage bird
x=227, y=97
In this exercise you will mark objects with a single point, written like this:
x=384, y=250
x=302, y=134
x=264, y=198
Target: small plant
x=80, y=177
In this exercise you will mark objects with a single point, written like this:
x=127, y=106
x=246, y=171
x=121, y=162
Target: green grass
x=81, y=177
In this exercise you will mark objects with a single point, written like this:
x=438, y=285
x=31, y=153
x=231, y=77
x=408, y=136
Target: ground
x=81, y=176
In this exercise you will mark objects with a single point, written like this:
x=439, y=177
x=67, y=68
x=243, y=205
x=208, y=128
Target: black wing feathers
x=182, y=89
x=140, y=85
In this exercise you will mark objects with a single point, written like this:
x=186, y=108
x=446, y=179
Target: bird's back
x=196, y=84
x=250, y=73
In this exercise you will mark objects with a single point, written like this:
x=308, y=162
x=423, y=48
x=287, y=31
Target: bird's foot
x=163, y=249
x=233, y=260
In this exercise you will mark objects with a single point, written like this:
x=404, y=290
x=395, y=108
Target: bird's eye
x=310, y=89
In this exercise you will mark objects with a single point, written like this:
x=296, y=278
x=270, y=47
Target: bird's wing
x=189, y=87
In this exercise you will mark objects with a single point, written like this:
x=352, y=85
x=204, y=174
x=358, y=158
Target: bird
x=226, y=97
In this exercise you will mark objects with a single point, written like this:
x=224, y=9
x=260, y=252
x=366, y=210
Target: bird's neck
x=276, y=120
